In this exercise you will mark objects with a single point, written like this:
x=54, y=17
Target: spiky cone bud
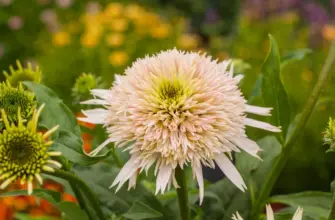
x=24, y=151
x=15, y=76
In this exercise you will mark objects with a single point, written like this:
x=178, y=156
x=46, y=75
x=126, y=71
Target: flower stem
x=81, y=200
x=81, y=184
x=332, y=211
x=182, y=194
x=281, y=161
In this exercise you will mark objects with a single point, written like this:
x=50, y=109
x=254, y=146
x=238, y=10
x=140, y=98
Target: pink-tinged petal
x=261, y=125
x=269, y=213
x=230, y=171
x=197, y=170
x=298, y=214
x=249, y=146
x=237, y=216
x=127, y=171
x=95, y=116
x=94, y=102
x=258, y=110
x=163, y=178
x=101, y=93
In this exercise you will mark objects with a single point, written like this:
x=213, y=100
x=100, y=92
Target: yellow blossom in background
x=61, y=39
x=188, y=41
x=161, y=31
x=133, y=11
x=118, y=58
x=119, y=24
x=115, y=40
x=328, y=32
x=151, y=19
x=89, y=40
x=94, y=29
x=113, y=10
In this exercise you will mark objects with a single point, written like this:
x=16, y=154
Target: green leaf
x=140, y=210
x=119, y=202
x=223, y=198
x=71, y=147
x=22, y=216
x=273, y=91
x=315, y=204
x=55, y=111
x=295, y=55
x=70, y=209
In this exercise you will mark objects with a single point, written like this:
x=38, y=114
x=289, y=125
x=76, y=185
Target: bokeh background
x=80, y=44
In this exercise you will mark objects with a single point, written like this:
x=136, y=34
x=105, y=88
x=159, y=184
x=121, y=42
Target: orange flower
x=21, y=203
x=5, y=211
x=69, y=198
x=87, y=138
x=84, y=124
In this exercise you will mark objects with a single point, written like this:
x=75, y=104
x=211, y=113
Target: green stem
x=81, y=200
x=182, y=194
x=81, y=184
x=332, y=211
x=281, y=161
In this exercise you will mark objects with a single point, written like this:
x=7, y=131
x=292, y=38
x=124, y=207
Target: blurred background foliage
x=67, y=38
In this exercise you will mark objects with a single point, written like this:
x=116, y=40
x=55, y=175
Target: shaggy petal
x=230, y=171
x=261, y=125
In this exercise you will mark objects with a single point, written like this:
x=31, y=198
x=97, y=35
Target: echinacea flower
x=11, y=99
x=24, y=151
x=15, y=76
x=329, y=135
x=270, y=216
x=175, y=109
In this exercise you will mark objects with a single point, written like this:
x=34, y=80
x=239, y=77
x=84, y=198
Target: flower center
x=171, y=90
x=21, y=148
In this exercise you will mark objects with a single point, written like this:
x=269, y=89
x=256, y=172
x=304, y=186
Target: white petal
x=94, y=116
x=237, y=216
x=94, y=102
x=117, y=78
x=269, y=213
x=249, y=146
x=261, y=125
x=230, y=171
x=198, y=174
x=127, y=171
x=258, y=110
x=101, y=93
x=132, y=181
x=239, y=77
x=99, y=148
x=163, y=177
x=298, y=214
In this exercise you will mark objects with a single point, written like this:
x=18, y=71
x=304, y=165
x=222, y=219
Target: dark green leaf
x=71, y=147
x=315, y=204
x=71, y=210
x=120, y=202
x=295, y=55
x=140, y=210
x=223, y=199
x=273, y=91
x=55, y=111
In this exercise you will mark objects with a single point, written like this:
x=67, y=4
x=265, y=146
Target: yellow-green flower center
x=22, y=153
x=170, y=90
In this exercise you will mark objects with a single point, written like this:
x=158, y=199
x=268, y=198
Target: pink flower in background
x=93, y=8
x=64, y=3
x=15, y=22
x=5, y=2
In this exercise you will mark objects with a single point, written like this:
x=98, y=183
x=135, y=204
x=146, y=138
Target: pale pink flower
x=15, y=22
x=270, y=216
x=176, y=109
